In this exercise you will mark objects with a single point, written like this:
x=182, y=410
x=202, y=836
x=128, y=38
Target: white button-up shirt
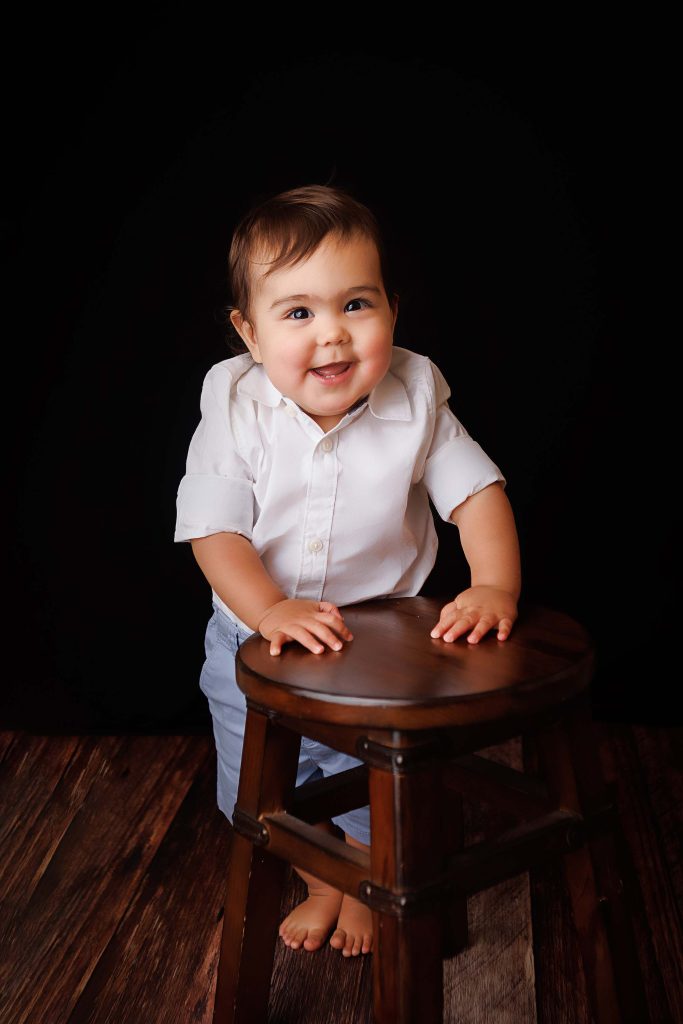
x=341, y=516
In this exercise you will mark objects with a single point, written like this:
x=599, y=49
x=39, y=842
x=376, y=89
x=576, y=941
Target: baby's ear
x=237, y=322
x=246, y=333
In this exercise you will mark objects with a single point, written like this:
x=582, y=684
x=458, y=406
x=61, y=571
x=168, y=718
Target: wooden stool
x=414, y=709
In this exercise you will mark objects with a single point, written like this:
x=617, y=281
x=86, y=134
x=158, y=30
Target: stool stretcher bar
x=477, y=867
x=476, y=776
x=340, y=864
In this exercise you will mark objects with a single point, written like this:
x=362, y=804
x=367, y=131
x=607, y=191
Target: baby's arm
x=489, y=540
x=232, y=566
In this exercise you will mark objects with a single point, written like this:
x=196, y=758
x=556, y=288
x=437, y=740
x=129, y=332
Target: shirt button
x=315, y=545
x=291, y=411
x=326, y=445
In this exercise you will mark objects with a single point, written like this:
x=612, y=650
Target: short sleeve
x=216, y=494
x=456, y=465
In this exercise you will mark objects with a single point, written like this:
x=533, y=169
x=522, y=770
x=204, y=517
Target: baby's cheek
x=300, y=358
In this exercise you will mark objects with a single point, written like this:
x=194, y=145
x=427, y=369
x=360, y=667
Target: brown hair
x=292, y=225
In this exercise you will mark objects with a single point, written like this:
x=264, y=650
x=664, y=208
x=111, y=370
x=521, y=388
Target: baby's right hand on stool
x=307, y=621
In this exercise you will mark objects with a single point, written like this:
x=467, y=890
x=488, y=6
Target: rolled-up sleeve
x=216, y=494
x=456, y=465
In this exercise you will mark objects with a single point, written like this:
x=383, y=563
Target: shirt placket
x=317, y=524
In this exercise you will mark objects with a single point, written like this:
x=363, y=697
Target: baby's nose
x=333, y=330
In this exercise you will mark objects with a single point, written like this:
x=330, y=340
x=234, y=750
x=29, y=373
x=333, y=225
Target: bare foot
x=353, y=933
x=310, y=922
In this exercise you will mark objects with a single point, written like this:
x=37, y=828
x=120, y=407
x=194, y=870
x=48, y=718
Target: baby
x=308, y=484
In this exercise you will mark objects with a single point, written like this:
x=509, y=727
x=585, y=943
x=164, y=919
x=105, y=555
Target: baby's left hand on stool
x=478, y=609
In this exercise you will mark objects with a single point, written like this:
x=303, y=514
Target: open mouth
x=332, y=372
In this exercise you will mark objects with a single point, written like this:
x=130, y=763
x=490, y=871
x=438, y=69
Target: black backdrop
x=516, y=185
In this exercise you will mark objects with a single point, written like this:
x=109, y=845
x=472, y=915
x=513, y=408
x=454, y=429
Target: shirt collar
x=388, y=400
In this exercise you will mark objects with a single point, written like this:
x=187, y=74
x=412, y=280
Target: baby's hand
x=482, y=607
x=305, y=621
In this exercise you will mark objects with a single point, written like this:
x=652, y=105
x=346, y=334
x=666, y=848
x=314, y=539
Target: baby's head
x=297, y=262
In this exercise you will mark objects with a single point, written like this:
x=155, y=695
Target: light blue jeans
x=228, y=708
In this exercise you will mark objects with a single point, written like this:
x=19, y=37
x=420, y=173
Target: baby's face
x=329, y=311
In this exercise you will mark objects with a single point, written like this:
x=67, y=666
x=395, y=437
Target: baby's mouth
x=330, y=369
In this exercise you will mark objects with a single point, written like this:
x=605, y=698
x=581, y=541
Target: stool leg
x=569, y=754
x=456, y=936
x=270, y=756
x=407, y=851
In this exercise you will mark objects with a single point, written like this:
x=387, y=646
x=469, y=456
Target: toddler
x=308, y=482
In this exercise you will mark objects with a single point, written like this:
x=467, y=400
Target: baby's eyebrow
x=297, y=298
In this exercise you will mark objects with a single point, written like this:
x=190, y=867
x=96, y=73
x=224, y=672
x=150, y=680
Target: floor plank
x=658, y=752
x=6, y=739
x=31, y=766
x=561, y=996
x=119, y=795
x=493, y=978
x=160, y=963
x=646, y=814
x=47, y=783
x=113, y=859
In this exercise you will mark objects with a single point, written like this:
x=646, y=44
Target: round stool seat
x=408, y=680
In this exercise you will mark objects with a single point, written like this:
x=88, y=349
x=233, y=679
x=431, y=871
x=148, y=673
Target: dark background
x=521, y=186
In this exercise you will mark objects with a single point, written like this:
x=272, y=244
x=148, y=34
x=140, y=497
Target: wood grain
x=113, y=866
x=493, y=978
x=161, y=961
x=651, y=819
x=72, y=871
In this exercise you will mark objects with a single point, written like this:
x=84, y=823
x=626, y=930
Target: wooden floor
x=112, y=865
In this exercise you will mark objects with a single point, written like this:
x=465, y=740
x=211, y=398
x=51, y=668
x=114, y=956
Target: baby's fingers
x=277, y=641
x=329, y=636
x=478, y=624
x=309, y=638
x=459, y=624
x=330, y=613
x=486, y=622
x=280, y=638
x=336, y=622
x=449, y=614
x=504, y=628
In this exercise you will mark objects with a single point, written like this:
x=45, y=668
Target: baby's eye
x=299, y=309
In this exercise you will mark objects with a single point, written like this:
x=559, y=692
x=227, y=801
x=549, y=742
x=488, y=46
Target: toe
x=338, y=938
x=314, y=939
